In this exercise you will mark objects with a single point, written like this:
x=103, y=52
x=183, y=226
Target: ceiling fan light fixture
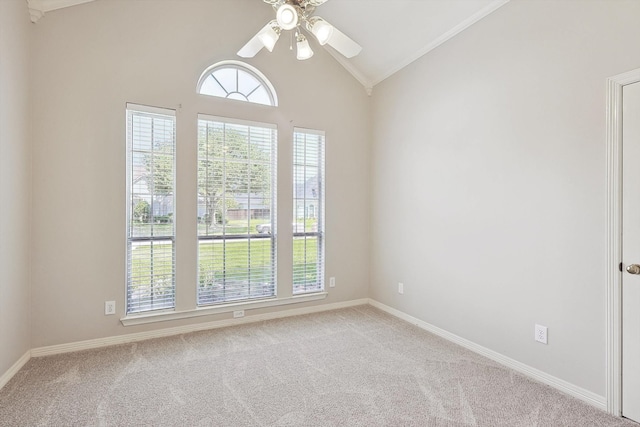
x=321, y=29
x=270, y=35
x=290, y=16
x=287, y=17
x=304, y=50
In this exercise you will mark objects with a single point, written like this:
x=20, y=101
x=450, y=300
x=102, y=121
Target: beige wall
x=15, y=182
x=489, y=182
x=90, y=60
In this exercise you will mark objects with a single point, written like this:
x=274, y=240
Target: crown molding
x=368, y=85
x=492, y=7
x=37, y=8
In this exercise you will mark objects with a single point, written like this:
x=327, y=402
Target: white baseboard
x=141, y=336
x=587, y=396
x=6, y=377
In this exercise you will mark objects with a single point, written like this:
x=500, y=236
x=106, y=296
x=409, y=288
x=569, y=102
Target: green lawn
x=245, y=272
x=243, y=263
x=151, y=260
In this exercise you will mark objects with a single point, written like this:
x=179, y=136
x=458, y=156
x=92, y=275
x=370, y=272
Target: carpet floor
x=350, y=367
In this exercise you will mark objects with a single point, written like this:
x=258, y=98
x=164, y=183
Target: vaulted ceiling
x=393, y=33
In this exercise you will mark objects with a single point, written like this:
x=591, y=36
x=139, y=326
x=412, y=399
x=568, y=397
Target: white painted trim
x=245, y=67
x=49, y=5
x=35, y=14
x=614, y=240
x=37, y=8
x=492, y=7
x=141, y=336
x=6, y=377
x=536, y=374
x=225, y=308
x=352, y=69
x=151, y=109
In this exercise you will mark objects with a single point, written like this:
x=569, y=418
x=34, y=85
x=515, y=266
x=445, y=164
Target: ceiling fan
x=297, y=15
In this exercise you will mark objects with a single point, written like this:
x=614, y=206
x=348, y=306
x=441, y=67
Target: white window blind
x=308, y=211
x=151, y=141
x=236, y=210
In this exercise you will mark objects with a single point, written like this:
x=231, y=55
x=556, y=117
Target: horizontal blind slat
x=236, y=211
x=308, y=211
x=150, y=224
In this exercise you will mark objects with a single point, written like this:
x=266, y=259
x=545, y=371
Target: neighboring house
x=160, y=205
x=306, y=196
x=252, y=206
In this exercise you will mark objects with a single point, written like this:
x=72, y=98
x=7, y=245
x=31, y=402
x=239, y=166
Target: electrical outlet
x=332, y=282
x=238, y=313
x=401, y=288
x=109, y=307
x=541, y=334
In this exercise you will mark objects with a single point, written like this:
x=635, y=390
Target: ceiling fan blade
x=254, y=45
x=316, y=3
x=343, y=44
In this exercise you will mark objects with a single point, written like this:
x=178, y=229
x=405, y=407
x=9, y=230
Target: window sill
x=163, y=316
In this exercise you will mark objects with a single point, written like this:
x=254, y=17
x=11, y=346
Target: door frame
x=614, y=239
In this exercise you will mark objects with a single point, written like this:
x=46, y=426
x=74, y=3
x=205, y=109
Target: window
x=151, y=141
x=236, y=210
x=308, y=211
x=237, y=80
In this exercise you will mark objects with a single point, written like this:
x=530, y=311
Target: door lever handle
x=633, y=269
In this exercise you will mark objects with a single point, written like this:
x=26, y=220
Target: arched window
x=237, y=80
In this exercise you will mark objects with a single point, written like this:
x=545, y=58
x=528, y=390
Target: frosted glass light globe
x=287, y=17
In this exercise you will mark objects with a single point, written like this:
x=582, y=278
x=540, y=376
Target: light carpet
x=350, y=367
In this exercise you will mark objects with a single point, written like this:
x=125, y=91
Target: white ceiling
x=393, y=33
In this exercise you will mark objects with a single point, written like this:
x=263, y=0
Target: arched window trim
x=239, y=65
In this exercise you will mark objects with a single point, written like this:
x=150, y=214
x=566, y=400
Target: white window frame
x=187, y=310
x=253, y=235
x=319, y=212
x=161, y=113
x=239, y=66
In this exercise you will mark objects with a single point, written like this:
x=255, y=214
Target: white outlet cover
x=541, y=334
x=109, y=307
x=332, y=282
x=401, y=288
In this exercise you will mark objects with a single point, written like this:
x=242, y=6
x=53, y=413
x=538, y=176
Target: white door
x=631, y=251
